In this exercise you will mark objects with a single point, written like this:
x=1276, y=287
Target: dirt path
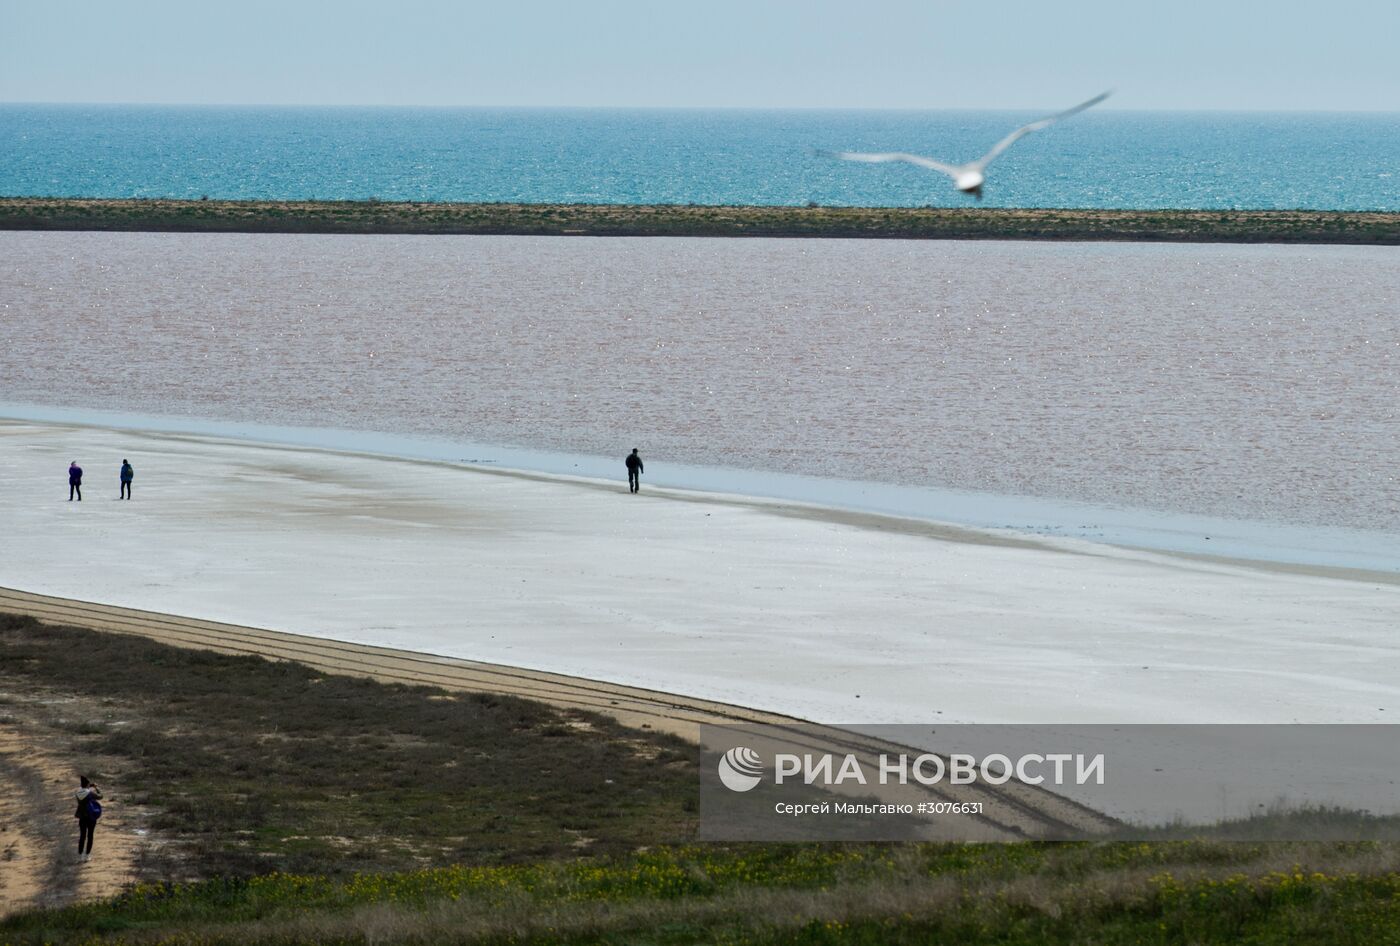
x=24, y=845
x=38, y=835
x=1022, y=811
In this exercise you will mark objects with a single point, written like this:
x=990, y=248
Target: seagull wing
x=1024, y=130
x=921, y=161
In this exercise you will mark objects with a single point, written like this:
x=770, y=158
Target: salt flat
x=832, y=617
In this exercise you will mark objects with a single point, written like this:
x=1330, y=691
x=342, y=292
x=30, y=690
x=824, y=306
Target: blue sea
x=1100, y=159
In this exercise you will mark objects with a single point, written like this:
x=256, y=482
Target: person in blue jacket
x=127, y=475
x=75, y=481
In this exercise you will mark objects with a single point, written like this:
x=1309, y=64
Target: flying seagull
x=968, y=177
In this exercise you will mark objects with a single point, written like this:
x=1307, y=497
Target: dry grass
x=253, y=766
x=187, y=729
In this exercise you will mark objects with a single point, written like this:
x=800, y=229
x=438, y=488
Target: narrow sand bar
x=822, y=615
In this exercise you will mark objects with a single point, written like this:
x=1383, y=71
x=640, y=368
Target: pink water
x=1253, y=382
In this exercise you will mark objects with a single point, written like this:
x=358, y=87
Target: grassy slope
x=313, y=807
x=604, y=220
x=1163, y=893
x=259, y=766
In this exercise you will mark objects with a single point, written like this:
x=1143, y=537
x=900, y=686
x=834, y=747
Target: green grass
x=1028, y=893
x=1287, y=226
x=314, y=809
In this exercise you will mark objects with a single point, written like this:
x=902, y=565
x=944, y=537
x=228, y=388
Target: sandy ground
x=1013, y=811
x=633, y=706
x=37, y=831
x=38, y=834
x=831, y=617
x=576, y=593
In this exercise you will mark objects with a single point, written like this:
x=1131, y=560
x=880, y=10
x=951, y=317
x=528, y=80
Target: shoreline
x=637, y=707
x=839, y=620
x=1025, y=521
x=621, y=220
x=1026, y=811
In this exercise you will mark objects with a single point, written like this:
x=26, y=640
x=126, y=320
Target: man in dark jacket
x=128, y=474
x=634, y=471
x=75, y=481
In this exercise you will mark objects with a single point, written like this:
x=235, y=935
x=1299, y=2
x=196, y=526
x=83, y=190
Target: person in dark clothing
x=87, y=814
x=127, y=475
x=634, y=471
x=75, y=481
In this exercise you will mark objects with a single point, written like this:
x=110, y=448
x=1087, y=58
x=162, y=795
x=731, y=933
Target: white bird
x=968, y=177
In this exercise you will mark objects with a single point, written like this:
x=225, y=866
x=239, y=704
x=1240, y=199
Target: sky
x=1183, y=54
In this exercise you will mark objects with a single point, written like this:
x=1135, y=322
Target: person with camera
x=89, y=810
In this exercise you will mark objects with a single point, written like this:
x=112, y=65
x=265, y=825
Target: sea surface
x=1099, y=159
x=1244, y=383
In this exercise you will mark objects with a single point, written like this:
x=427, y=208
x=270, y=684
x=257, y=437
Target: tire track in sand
x=1021, y=811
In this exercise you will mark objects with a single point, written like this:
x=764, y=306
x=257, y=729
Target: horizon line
x=697, y=108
